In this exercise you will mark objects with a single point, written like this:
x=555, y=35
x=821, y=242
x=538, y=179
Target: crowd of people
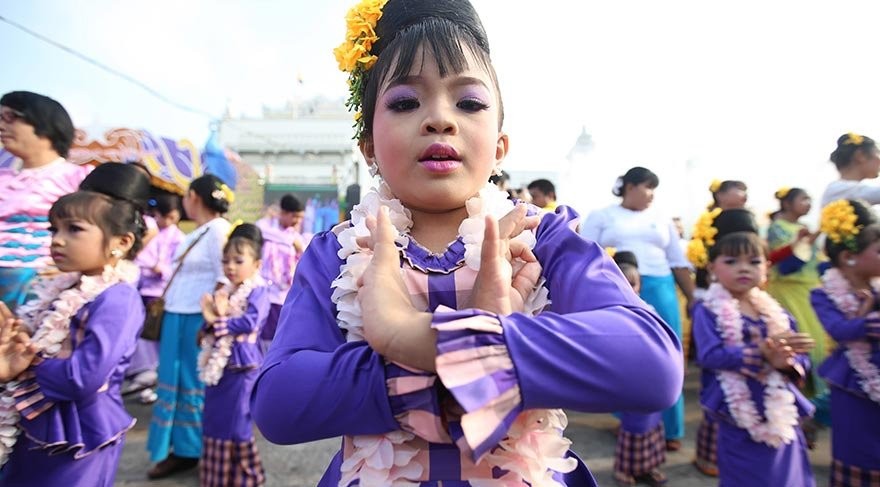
x=443, y=330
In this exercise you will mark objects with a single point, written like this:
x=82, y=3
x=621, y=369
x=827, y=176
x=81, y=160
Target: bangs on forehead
x=738, y=244
x=82, y=205
x=449, y=45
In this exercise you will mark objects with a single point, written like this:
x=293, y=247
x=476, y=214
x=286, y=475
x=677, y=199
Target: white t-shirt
x=650, y=236
x=851, y=190
x=202, y=267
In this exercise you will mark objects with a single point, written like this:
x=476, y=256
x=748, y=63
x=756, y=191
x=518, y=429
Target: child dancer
x=156, y=264
x=847, y=305
x=64, y=358
x=412, y=330
x=641, y=447
x=856, y=159
x=234, y=316
x=750, y=354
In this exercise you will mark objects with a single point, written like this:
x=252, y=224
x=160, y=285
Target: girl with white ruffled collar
x=443, y=328
x=231, y=355
x=847, y=305
x=63, y=359
x=752, y=356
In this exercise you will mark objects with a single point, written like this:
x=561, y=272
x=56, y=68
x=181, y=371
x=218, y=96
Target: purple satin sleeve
x=579, y=353
x=254, y=316
x=838, y=325
x=313, y=384
x=712, y=353
x=112, y=326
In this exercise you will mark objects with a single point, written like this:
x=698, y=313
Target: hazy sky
x=754, y=90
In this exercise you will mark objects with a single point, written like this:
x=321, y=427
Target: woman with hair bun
x=37, y=130
x=856, y=159
x=632, y=225
x=175, y=436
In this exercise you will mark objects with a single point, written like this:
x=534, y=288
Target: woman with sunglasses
x=38, y=131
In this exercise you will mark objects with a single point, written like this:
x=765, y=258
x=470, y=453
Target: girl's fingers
x=515, y=222
x=5, y=312
x=519, y=250
x=385, y=252
x=491, y=244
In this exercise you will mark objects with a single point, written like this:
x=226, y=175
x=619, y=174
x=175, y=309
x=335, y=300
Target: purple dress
x=855, y=418
x=577, y=354
x=229, y=453
x=741, y=460
x=73, y=418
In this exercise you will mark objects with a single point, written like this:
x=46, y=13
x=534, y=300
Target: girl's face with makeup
x=436, y=140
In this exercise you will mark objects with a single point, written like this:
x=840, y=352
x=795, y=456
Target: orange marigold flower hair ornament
x=354, y=54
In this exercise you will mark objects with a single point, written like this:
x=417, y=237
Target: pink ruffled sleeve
x=473, y=363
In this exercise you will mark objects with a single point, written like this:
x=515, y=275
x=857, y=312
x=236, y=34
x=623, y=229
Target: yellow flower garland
x=838, y=222
x=354, y=54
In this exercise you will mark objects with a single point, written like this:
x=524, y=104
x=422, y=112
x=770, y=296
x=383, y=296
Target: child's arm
x=256, y=313
x=712, y=353
x=597, y=349
x=313, y=384
x=111, y=330
x=841, y=328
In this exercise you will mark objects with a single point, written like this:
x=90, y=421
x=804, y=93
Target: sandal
x=673, y=445
x=706, y=467
x=624, y=479
x=654, y=478
x=170, y=466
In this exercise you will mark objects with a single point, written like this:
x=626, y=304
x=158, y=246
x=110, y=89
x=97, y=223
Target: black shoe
x=170, y=466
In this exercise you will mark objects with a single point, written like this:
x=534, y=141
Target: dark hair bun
x=119, y=181
x=248, y=231
x=208, y=187
x=734, y=220
x=625, y=257
x=397, y=15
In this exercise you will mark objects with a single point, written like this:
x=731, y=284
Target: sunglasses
x=10, y=116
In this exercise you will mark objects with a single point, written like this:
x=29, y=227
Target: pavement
x=593, y=437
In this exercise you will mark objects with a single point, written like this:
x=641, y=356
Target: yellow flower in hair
x=715, y=185
x=702, y=238
x=227, y=192
x=354, y=55
x=853, y=139
x=781, y=193
x=235, y=225
x=697, y=253
x=840, y=223
x=611, y=251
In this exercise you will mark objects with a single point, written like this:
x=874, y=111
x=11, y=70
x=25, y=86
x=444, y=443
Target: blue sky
x=753, y=90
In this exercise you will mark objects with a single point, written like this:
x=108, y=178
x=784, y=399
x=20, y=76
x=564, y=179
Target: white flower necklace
x=858, y=352
x=47, y=318
x=215, y=352
x=779, y=402
x=534, y=447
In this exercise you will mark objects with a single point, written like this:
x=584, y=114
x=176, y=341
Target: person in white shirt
x=634, y=226
x=857, y=159
x=175, y=436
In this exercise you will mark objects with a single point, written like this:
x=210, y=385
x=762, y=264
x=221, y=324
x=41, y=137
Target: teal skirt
x=176, y=426
x=15, y=282
x=659, y=292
